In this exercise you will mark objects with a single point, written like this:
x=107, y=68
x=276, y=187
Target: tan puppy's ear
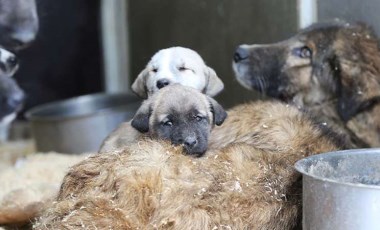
x=218, y=112
x=141, y=119
x=213, y=83
x=139, y=85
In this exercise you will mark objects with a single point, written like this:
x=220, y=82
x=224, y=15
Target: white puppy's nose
x=162, y=83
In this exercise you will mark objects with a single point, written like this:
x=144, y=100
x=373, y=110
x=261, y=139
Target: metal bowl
x=80, y=124
x=341, y=190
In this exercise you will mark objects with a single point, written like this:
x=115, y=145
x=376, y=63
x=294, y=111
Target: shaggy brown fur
x=331, y=70
x=248, y=183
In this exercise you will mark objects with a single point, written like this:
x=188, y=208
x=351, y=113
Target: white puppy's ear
x=141, y=119
x=213, y=85
x=139, y=85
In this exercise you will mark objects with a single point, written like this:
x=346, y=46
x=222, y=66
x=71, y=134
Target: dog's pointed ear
x=217, y=111
x=213, y=85
x=139, y=85
x=141, y=119
x=358, y=77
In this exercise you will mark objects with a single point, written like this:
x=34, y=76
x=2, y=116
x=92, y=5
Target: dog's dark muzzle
x=192, y=144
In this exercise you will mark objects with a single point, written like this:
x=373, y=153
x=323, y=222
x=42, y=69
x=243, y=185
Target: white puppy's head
x=177, y=65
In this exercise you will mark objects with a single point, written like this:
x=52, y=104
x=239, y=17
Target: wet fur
x=246, y=183
x=339, y=84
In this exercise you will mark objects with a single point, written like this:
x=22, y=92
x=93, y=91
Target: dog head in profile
x=336, y=61
x=180, y=114
x=177, y=65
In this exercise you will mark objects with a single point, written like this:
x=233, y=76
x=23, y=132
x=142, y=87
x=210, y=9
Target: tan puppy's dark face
x=177, y=65
x=325, y=62
x=181, y=115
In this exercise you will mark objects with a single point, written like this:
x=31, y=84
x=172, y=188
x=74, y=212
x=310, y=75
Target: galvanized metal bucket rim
x=31, y=113
x=300, y=166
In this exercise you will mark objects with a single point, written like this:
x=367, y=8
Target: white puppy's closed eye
x=177, y=65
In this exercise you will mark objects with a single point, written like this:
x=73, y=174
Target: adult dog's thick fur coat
x=331, y=70
x=245, y=181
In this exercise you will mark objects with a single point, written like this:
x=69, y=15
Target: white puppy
x=177, y=65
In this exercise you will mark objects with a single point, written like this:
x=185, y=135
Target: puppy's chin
x=195, y=153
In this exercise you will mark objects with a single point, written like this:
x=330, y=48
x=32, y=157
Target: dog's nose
x=190, y=142
x=241, y=54
x=12, y=62
x=162, y=83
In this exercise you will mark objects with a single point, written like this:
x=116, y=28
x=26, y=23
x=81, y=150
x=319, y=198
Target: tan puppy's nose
x=190, y=142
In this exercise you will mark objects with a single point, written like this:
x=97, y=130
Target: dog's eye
x=154, y=70
x=167, y=123
x=303, y=52
x=199, y=118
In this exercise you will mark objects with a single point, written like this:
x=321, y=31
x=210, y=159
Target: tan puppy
x=177, y=65
x=153, y=185
x=176, y=113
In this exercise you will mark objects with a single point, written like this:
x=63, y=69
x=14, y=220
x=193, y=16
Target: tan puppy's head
x=177, y=65
x=182, y=115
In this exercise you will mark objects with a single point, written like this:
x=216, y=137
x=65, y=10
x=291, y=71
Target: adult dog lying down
x=331, y=70
x=245, y=180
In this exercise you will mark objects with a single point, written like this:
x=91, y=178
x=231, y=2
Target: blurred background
x=91, y=46
x=87, y=46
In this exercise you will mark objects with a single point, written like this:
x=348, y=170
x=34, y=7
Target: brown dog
x=248, y=182
x=177, y=113
x=331, y=70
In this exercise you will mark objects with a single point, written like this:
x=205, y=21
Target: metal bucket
x=341, y=190
x=80, y=124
